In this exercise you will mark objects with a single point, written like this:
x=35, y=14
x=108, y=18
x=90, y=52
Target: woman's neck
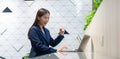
x=40, y=26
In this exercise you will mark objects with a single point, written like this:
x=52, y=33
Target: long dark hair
x=40, y=13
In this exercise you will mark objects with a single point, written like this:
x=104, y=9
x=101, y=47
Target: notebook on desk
x=81, y=47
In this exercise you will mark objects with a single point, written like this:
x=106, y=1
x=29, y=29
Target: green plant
x=89, y=18
x=26, y=56
x=97, y=3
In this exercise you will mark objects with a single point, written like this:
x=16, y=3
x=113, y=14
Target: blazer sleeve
x=56, y=41
x=38, y=43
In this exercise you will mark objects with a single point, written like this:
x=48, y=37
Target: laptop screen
x=83, y=43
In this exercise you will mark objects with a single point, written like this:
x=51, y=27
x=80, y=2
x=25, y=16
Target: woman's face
x=44, y=19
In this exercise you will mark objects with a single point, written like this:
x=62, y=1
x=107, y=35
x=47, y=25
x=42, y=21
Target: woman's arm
x=38, y=43
x=58, y=39
x=55, y=42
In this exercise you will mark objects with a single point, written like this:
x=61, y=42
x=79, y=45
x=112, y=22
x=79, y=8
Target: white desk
x=75, y=55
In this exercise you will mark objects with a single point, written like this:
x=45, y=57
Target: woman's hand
x=61, y=48
x=62, y=54
x=61, y=31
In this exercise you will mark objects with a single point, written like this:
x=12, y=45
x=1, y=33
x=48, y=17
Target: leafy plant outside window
x=88, y=19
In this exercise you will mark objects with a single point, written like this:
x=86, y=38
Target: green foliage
x=88, y=19
x=26, y=56
x=97, y=3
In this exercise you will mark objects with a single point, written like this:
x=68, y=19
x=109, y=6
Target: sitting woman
x=40, y=37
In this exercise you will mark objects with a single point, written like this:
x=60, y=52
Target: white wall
x=105, y=30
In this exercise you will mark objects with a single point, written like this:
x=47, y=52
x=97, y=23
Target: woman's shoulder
x=34, y=28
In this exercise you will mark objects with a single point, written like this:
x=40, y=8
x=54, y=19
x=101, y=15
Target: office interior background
x=16, y=17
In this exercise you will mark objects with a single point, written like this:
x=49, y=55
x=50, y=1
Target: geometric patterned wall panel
x=14, y=26
x=7, y=10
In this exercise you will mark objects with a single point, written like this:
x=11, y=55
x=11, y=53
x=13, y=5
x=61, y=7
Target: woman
x=40, y=36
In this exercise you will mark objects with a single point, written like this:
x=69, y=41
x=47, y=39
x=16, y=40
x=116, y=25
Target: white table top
x=75, y=55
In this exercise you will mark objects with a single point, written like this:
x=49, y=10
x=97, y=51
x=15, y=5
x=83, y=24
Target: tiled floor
x=14, y=25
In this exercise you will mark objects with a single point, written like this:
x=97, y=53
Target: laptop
x=82, y=46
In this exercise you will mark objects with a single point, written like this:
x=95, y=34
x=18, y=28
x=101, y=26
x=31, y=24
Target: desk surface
x=75, y=55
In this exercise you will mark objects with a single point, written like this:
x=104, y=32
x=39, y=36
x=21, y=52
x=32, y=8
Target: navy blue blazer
x=40, y=42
